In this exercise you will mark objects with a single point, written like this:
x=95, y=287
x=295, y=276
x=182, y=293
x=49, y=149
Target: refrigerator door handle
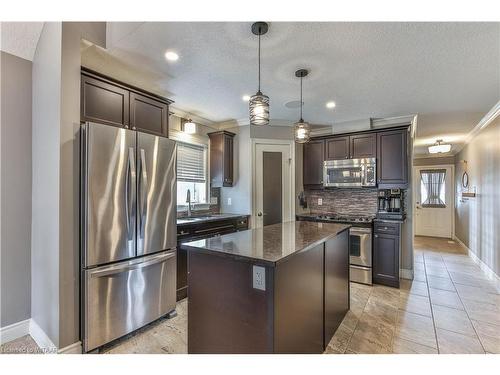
x=129, y=183
x=143, y=187
x=115, y=269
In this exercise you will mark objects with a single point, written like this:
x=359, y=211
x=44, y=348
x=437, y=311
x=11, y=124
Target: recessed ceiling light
x=171, y=56
x=330, y=105
x=246, y=98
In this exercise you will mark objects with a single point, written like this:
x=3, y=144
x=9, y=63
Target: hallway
x=449, y=307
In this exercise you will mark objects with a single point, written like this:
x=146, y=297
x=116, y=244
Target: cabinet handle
x=376, y=236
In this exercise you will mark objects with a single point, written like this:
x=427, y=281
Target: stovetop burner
x=347, y=219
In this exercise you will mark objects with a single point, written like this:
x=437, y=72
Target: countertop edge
x=209, y=220
x=269, y=263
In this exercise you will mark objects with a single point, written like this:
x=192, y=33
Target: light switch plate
x=229, y=201
x=259, y=278
x=320, y=201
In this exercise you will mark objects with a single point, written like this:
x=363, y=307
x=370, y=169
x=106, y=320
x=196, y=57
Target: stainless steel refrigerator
x=128, y=238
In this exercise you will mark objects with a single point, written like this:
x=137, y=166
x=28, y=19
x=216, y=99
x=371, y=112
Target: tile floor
x=449, y=307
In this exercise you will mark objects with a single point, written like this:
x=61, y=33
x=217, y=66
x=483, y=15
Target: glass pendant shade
x=302, y=132
x=259, y=109
x=439, y=148
x=189, y=127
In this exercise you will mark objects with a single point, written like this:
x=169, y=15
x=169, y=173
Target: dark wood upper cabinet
x=108, y=101
x=148, y=115
x=221, y=158
x=314, y=156
x=337, y=148
x=363, y=146
x=392, y=159
x=103, y=102
x=386, y=253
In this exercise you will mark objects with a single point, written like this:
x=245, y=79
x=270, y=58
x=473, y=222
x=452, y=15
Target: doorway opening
x=434, y=201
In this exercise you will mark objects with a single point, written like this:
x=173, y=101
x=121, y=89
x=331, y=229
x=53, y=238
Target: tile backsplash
x=343, y=201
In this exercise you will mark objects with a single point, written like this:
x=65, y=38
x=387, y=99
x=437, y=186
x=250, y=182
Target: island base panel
x=225, y=313
x=336, y=283
x=298, y=297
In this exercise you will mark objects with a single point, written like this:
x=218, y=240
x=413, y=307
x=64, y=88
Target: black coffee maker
x=391, y=204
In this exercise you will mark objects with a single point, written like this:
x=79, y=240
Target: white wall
x=45, y=188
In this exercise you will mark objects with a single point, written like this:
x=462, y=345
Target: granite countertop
x=269, y=244
x=207, y=218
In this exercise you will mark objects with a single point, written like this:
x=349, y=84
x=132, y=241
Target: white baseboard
x=75, y=348
x=486, y=269
x=406, y=274
x=14, y=331
x=27, y=327
x=41, y=338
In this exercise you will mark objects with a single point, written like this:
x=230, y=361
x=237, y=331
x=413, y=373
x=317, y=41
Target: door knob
x=259, y=214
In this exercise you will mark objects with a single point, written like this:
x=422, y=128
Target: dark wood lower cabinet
x=191, y=232
x=386, y=254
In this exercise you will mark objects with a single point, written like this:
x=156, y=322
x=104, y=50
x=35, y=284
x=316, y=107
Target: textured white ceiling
x=448, y=73
x=20, y=38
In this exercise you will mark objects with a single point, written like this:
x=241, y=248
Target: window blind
x=191, y=162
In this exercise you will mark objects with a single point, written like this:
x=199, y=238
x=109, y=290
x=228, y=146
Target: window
x=191, y=173
x=433, y=188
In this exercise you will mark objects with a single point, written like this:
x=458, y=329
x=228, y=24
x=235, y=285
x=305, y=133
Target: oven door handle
x=358, y=231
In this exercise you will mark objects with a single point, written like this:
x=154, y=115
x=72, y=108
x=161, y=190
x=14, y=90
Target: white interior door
x=273, y=184
x=434, y=201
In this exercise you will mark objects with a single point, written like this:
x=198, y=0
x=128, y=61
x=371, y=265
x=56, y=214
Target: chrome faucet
x=188, y=201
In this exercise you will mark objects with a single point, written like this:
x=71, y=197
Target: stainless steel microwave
x=350, y=173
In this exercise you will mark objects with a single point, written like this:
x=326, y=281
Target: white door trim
x=291, y=203
x=416, y=181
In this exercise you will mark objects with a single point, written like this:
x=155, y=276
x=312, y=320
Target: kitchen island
x=283, y=288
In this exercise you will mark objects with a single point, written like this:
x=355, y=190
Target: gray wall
x=55, y=211
x=477, y=220
x=15, y=234
x=45, y=188
x=69, y=261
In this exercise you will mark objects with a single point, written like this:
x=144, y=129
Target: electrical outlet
x=320, y=201
x=259, y=278
x=213, y=200
x=229, y=201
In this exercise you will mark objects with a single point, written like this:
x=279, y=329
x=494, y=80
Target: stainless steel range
x=360, y=243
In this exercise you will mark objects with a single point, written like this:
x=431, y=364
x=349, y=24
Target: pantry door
x=273, y=187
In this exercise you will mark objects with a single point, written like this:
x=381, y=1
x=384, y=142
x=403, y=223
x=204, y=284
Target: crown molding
x=197, y=119
x=487, y=119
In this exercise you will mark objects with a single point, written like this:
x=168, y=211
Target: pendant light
x=259, y=103
x=302, y=128
x=189, y=127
